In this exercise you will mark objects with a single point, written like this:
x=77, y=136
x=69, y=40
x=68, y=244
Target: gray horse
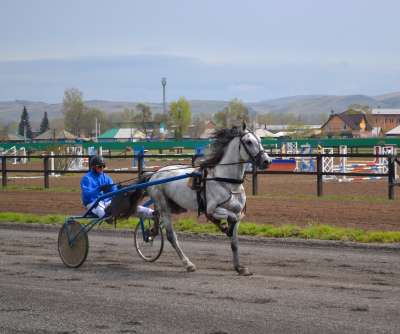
x=221, y=194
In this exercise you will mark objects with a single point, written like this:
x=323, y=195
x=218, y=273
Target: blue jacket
x=90, y=186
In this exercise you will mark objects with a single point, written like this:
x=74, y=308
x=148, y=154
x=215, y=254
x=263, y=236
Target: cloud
x=138, y=78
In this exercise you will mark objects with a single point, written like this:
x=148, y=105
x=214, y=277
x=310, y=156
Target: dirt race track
x=282, y=199
x=297, y=287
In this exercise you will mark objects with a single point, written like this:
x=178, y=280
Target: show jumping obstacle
x=378, y=166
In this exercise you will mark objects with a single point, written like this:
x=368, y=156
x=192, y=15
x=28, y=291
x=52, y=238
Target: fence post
x=254, y=180
x=319, y=176
x=140, y=162
x=391, y=177
x=46, y=171
x=4, y=171
x=199, y=152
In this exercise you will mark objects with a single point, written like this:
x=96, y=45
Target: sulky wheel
x=149, y=240
x=73, y=244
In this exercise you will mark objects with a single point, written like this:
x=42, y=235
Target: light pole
x=164, y=83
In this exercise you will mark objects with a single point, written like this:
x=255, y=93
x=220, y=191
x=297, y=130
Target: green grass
x=312, y=231
x=308, y=197
x=30, y=218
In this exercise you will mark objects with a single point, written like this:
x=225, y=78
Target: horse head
x=253, y=149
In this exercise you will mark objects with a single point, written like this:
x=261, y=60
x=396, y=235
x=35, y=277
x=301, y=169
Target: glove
x=106, y=188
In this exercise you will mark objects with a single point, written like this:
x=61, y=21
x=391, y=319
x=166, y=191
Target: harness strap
x=201, y=206
x=201, y=192
x=202, y=201
x=226, y=180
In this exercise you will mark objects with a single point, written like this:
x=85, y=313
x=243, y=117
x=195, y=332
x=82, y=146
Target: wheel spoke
x=149, y=240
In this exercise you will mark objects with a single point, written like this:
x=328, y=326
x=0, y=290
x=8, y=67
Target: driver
x=96, y=183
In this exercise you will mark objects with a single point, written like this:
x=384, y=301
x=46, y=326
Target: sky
x=253, y=50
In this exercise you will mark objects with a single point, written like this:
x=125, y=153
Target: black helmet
x=96, y=161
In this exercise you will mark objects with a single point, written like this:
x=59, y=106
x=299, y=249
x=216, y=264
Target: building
x=209, y=128
x=288, y=130
x=358, y=124
x=386, y=119
x=395, y=132
x=150, y=129
x=263, y=133
x=54, y=134
x=347, y=125
x=290, y=127
x=122, y=134
x=11, y=137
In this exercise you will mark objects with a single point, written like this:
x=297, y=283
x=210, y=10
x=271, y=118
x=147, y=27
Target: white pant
x=144, y=212
x=99, y=210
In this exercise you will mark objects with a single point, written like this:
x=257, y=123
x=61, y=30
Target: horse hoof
x=244, y=271
x=224, y=228
x=191, y=268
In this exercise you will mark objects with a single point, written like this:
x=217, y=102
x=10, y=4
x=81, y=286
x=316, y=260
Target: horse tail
x=125, y=204
x=135, y=197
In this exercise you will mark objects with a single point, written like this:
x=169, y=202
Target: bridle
x=254, y=159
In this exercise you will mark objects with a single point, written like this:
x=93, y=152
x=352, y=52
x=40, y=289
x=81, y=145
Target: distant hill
x=308, y=106
x=391, y=100
x=11, y=110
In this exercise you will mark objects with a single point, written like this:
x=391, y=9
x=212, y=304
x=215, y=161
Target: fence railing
x=140, y=158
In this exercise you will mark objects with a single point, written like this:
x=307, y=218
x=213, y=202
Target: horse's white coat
x=224, y=200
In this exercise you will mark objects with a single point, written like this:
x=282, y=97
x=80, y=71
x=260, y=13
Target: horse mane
x=221, y=139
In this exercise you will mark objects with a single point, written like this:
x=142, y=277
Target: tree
x=73, y=110
x=128, y=115
x=239, y=112
x=180, y=116
x=44, y=125
x=145, y=116
x=354, y=109
x=161, y=120
x=234, y=114
x=199, y=126
x=24, y=126
x=221, y=118
x=160, y=117
x=89, y=117
x=3, y=131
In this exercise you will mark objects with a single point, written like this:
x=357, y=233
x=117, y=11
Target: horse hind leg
x=164, y=211
x=171, y=236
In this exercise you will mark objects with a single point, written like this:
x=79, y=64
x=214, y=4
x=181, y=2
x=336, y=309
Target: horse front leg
x=243, y=271
x=232, y=233
x=171, y=236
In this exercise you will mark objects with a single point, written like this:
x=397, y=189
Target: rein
x=219, y=179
